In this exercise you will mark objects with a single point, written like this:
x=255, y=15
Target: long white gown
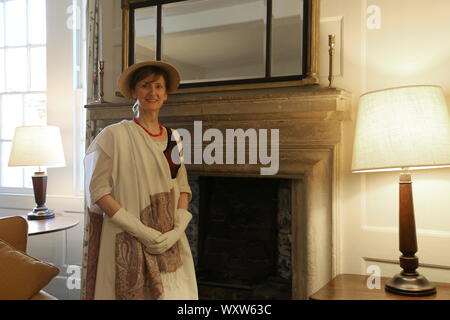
x=178, y=285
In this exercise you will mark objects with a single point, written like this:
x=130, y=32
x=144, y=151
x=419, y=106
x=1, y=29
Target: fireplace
x=241, y=237
x=309, y=120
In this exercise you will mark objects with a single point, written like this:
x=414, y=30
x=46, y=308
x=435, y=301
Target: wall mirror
x=225, y=43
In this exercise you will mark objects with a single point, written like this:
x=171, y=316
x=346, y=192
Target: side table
x=354, y=287
x=58, y=223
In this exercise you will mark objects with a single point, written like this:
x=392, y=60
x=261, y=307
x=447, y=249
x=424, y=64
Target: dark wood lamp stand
x=40, y=212
x=408, y=282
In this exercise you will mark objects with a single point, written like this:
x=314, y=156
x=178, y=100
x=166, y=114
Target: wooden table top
x=58, y=223
x=354, y=287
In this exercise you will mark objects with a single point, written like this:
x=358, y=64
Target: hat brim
x=126, y=76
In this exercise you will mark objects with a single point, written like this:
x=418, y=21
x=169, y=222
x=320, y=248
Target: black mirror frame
x=311, y=63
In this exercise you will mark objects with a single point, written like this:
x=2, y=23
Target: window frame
x=65, y=109
x=28, y=45
x=310, y=49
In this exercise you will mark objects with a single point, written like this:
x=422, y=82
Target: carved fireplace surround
x=309, y=120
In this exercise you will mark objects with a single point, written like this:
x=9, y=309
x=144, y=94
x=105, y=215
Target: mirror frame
x=312, y=59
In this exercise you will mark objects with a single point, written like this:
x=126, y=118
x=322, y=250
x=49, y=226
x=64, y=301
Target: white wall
x=411, y=47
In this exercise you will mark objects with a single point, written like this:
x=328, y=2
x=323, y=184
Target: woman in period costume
x=137, y=198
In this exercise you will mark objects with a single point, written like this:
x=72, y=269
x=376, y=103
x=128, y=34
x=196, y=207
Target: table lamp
x=37, y=146
x=402, y=129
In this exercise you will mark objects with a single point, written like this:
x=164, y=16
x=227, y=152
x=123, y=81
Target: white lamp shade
x=405, y=127
x=37, y=146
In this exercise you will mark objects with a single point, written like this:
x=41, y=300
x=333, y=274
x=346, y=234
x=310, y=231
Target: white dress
x=178, y=285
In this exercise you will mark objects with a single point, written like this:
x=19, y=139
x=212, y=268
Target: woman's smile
x=151, y=92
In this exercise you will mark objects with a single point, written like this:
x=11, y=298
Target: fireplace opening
x=243, y=238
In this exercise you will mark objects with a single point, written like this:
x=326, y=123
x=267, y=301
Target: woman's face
x=151, y=92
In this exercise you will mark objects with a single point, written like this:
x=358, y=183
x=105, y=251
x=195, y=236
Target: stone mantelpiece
x=309, y=120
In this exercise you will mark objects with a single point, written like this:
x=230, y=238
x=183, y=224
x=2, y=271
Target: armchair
x=22, y=276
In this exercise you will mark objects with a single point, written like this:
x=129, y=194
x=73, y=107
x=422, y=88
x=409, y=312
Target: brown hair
x=144, y=72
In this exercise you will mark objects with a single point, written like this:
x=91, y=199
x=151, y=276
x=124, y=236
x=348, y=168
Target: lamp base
x=410, y=285
x=40, y=215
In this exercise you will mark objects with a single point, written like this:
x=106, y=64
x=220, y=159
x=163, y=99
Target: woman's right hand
x=168, y=239
x=131, y=224
x=156, y=239
x=160, y=245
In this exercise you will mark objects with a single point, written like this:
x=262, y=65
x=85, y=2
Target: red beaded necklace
x=148, y=131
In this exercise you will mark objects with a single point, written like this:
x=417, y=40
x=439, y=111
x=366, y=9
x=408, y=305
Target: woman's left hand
x=168, y=239
x=171, y=237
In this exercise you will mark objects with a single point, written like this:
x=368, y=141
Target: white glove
x=131, y=224
x=168, y=239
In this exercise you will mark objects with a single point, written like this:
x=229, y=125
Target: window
x=23, y=79
x=220, y=42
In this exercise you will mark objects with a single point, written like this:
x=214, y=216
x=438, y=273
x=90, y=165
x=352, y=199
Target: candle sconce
x=101, y=73
x=331, y=51
x=101, y=63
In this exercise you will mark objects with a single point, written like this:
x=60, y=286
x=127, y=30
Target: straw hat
x=127, y=75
